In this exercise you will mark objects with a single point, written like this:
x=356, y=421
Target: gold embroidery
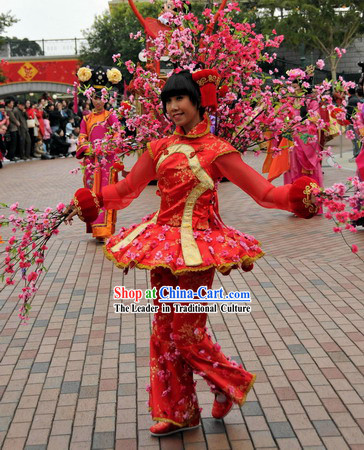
x=307, y=201
x=78, y=209
x=190, y=250
x=124, y=242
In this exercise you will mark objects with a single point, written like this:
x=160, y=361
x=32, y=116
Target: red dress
x=182, y=244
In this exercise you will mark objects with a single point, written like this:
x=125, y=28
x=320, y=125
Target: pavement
x=75, y=376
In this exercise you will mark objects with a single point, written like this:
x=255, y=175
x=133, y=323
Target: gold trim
x=242, y=401
x=191, y=252
x=231, y=150
x=193, y=136
x=209, y=79
x=221, y=268
x=162, y=419
x=150, y=151
x=124, y=242
x=78, y=209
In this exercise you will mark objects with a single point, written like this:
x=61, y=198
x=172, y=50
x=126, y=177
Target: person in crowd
x=3, y=129
x=70, y=126
x=55, y=117
x=39, y=115
x=13, y=129
x=4, y=119
x=72, y=139
x=24, y=141
x=47, y=131
x=30, y=109
x=87, y=109
x=59, y=147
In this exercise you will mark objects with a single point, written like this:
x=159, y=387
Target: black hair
x=182, y=83
x=8, y=100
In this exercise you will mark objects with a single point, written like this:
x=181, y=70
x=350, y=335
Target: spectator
x=70, y=126
x=4, y=119
x=30, y=109
x=87, y=109
x=72, y=140
x=13, y=129
x=24, y=141
x=59, y=146
x=2, y=143
x=55, y=117
x=47, y=131
x=39, y=115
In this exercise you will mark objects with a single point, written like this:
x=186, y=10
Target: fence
x=44, y=47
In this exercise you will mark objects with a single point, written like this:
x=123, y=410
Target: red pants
x=179, y=346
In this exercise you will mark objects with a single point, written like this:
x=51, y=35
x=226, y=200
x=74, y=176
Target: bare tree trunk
x=333, y=66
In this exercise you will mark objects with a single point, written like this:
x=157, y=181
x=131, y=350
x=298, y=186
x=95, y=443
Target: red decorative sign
x=61, y=71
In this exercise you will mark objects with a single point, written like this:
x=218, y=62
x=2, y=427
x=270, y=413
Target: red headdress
x=207, y=80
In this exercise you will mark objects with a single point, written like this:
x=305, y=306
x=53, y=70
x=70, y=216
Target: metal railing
x=44, y=47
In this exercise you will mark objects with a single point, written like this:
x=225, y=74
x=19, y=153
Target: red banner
x=52, y=71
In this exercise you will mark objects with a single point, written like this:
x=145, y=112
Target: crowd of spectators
x=44, y=129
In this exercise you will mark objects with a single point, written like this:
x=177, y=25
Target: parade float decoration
x=253, y=108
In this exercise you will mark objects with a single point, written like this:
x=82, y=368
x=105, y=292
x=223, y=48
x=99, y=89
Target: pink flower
x=32, y=276
x=320, y=63
x=354, y=248
x=338, y=52
x=60, y=207
x=14, y=206
x=9, y=281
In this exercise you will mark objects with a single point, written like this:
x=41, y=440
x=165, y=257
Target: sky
x=51, y=19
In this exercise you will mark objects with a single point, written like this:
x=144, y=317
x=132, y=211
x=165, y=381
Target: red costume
x=183, y=244
x=94, y=126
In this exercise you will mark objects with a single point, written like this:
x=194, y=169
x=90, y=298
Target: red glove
x=300, y=197
x=87, y=204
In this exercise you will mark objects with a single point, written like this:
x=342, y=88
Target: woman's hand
x=70, y=212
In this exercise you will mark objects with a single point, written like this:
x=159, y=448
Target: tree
x=110, y=32
x=6, y=20
x=24, y=47
x=317, y=24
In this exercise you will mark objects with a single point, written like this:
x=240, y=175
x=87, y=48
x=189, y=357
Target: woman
x=183, y=244
x=305, y=158
x=93, y=127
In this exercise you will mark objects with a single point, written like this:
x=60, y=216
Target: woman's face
x=183, y=112
x=27, y=104
x=98, y=103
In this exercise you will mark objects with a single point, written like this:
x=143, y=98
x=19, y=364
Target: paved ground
x=75, y=376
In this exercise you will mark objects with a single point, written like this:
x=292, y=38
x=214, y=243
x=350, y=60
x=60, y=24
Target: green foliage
x=24, y=47
x=110, y=32
x=6, y=20
x=315, y=24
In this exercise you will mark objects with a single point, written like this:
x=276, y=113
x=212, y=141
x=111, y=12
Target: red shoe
x=165, y=428
x=221, y=409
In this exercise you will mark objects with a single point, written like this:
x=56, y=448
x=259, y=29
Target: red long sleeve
x=250, y=181
x=121, y=194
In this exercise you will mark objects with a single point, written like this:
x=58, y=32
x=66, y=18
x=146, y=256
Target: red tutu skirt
x=159, y=245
